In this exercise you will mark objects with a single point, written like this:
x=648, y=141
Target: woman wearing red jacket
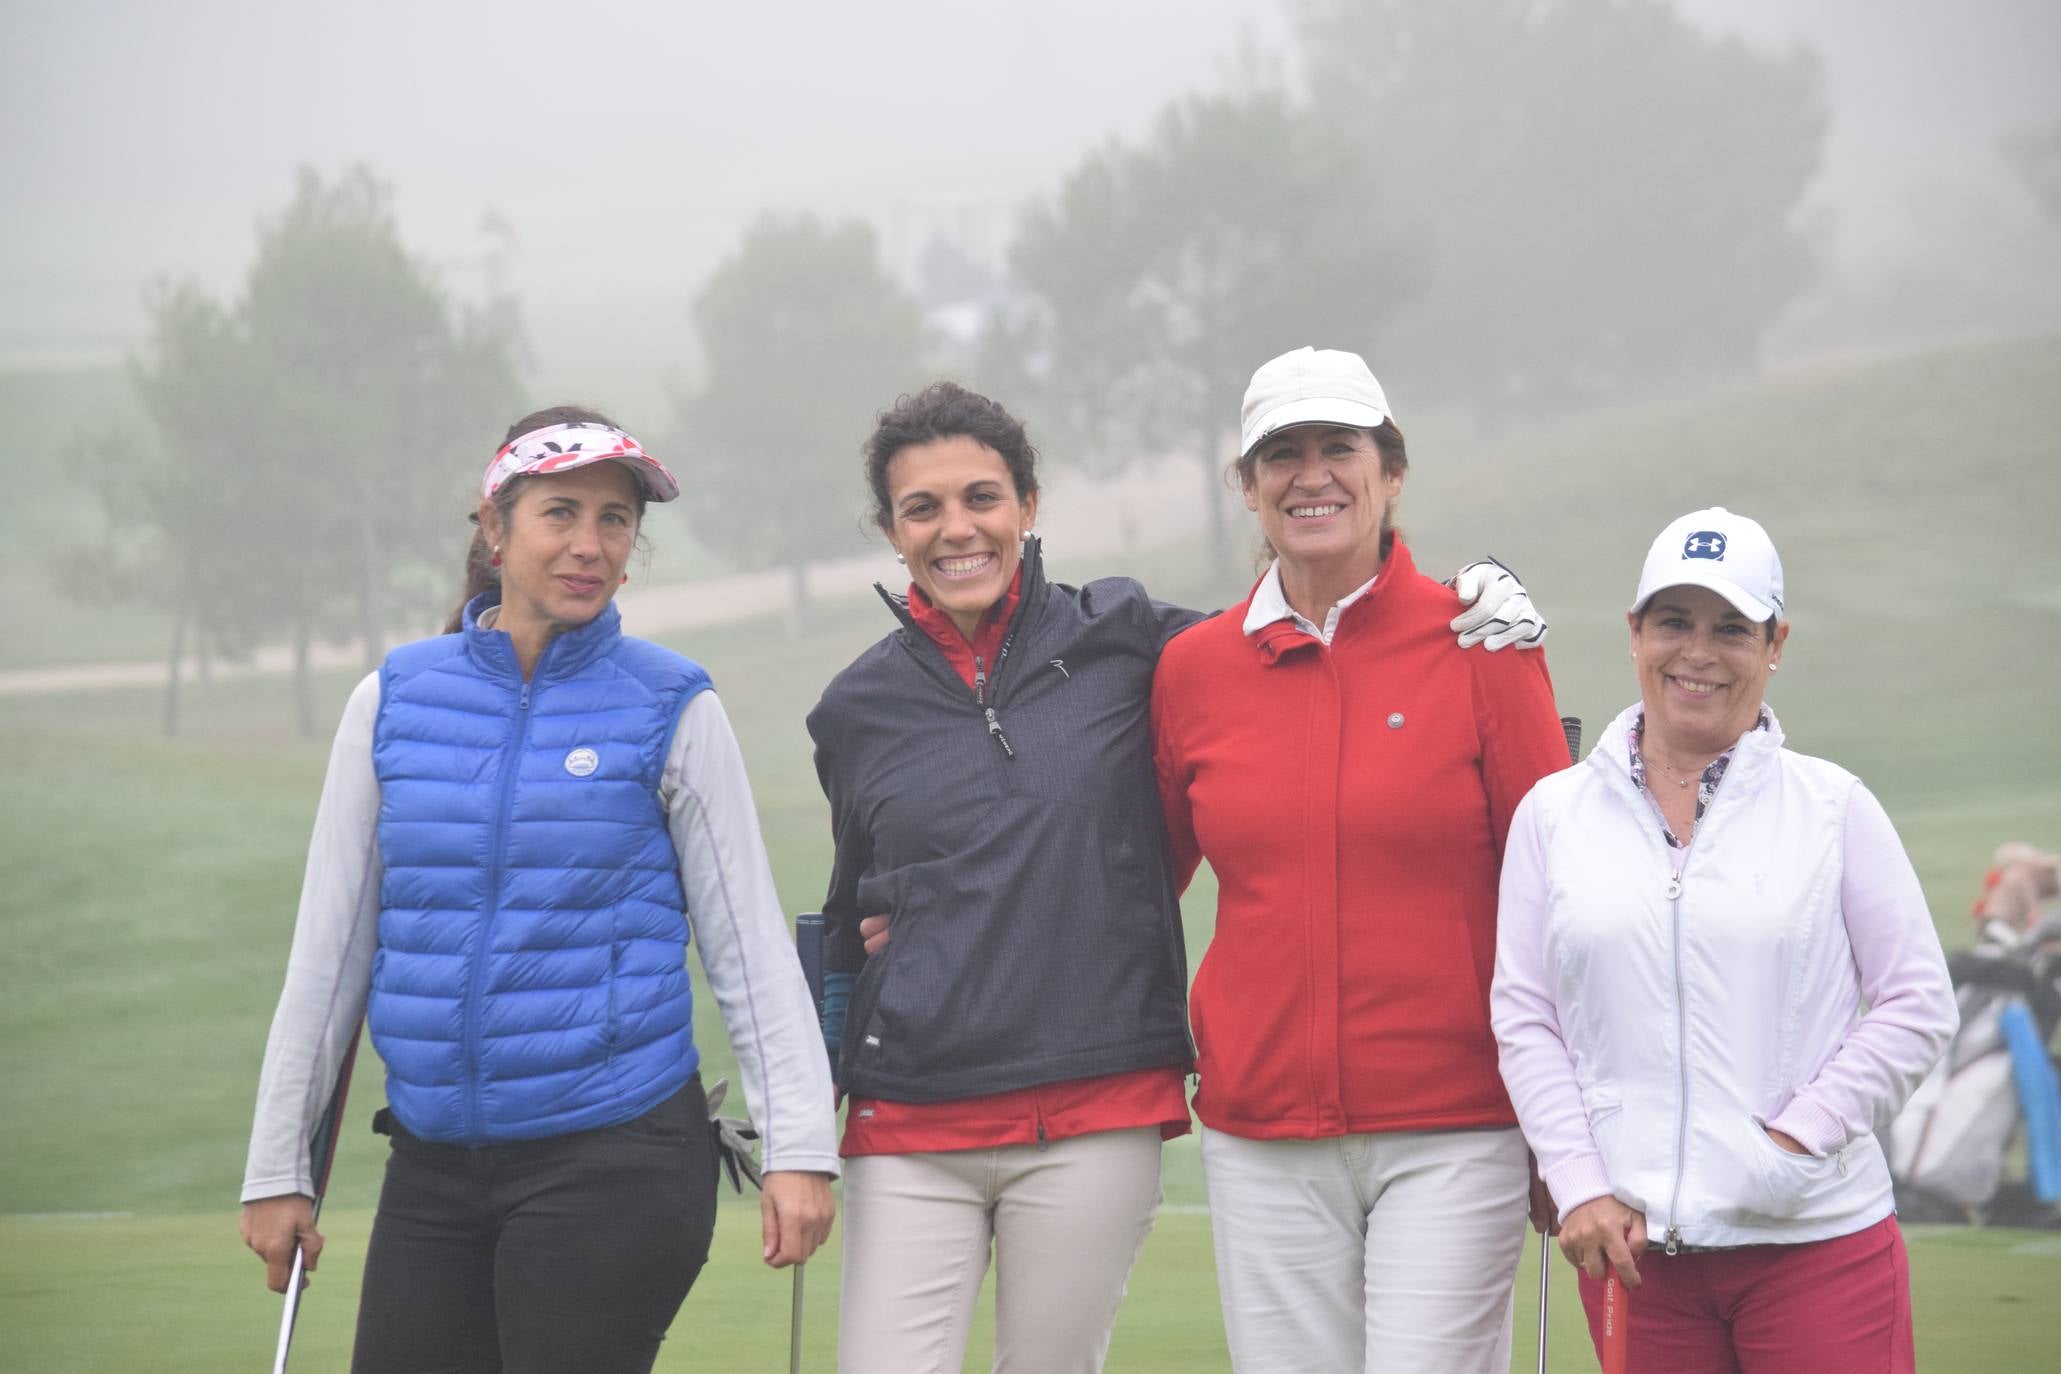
x=1016, y=1053
x=1349, y=772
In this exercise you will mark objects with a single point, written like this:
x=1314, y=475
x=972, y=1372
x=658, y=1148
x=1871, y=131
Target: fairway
x=177, y=1294
x=147, y=886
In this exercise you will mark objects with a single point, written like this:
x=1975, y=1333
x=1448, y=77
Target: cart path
x=647, y=611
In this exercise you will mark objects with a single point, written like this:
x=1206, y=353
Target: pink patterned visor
x=561, y=448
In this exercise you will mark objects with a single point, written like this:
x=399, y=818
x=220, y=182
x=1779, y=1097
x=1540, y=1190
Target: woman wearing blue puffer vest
x=524, y=821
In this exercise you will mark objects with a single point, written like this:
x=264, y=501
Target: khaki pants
x=1066, y=1223
x=1393, y=1253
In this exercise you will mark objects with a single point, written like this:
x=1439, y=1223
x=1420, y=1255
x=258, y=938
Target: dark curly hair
x=946, y=410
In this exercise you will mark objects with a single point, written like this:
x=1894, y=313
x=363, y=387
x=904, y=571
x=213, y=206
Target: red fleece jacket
x=1353, y=803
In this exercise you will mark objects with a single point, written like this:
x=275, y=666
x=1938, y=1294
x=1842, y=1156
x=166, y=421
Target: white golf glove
x=1499, y=611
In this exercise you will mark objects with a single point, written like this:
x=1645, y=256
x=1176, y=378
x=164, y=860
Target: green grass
x=147, y=887
x=82, y=1294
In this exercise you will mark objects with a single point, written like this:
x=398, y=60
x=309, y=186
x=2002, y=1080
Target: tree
x=178, y=532
x=372, y=389
x=1609, y=194
x=805, y=337
x=308, y=450
x=1166, y=271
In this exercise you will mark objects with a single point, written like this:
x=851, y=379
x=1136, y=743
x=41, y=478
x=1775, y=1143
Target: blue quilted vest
x=531, y=977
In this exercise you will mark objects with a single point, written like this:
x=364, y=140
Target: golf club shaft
x=1571, y=729
x=321, y=1155
x=293, y=1304
x=794, y=1327
x=1545, y=1282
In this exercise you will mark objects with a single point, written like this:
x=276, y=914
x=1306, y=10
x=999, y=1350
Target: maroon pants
x=1840, y=1306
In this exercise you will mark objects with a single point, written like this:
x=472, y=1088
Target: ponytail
x=480, y=575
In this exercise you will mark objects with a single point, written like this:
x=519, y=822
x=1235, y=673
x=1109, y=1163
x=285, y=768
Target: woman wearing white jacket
x=1690, y=922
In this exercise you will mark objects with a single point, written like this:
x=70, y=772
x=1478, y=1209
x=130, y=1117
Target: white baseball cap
x=1730, y=554
x=1310, y=386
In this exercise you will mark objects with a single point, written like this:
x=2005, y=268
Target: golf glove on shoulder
x=1499, y=611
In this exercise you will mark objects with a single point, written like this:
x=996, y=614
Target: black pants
x=571, y=1253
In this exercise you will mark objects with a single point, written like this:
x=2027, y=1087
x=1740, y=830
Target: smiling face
x=959, y=522
x=1321, y=496
x=1703, y=668
x=563, y=547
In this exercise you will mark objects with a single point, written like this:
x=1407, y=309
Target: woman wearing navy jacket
x=1016, y=1050
x=524, y=821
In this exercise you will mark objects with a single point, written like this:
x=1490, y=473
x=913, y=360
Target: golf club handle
x=1571, y=726
x=1616, y=1330
x=808, y=946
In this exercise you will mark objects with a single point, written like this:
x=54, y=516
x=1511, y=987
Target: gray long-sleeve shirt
x=736, y=917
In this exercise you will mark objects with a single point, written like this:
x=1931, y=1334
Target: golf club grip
x=322, y=1144
x=808, y=945
x=1571, y=726
x=1616, y=1328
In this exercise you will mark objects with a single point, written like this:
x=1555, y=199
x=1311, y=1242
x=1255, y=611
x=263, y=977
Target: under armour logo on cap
x=1704, y=544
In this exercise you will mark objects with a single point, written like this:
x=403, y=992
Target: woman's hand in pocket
x=1786, y=1141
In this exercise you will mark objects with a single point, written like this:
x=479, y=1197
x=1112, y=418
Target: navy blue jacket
x=1036, y=935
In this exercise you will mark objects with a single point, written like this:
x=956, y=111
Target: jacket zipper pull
x=1674, y=1241
x=1674, y=890
x=980, y=699
x=995, y=729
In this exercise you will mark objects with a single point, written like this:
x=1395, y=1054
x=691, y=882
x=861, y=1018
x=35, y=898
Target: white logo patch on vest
x=581, y=762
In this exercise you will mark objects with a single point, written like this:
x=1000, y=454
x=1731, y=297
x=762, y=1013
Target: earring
x=496, y=559
x=899, y=558
x=1774, y=667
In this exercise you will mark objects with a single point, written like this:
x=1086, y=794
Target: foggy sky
x=628, y=143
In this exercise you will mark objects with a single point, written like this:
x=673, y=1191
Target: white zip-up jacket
x=1657, y=1010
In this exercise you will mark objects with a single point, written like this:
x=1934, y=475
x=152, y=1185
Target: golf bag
x=1948, y=1145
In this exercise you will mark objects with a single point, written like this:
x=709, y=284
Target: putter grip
x=808, y=945
x=1616, y=1330
x=1571, y=726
